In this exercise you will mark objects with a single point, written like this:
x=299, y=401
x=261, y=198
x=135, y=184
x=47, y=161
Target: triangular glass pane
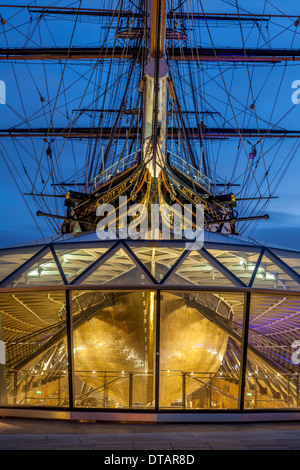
x=157, y=260
x=240, y=263
x=291, y=258
x=13, y=258
x=119, y=269
x=270, y=276
x=43, y=272
x=196, y=270
x=75, y=261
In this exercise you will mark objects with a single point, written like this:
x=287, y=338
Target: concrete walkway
x=24, y=434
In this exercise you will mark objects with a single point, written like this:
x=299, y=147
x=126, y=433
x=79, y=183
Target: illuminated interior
x=110, y=325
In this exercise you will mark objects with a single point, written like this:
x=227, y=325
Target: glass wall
x=200, y=350
x=114, y=349
x=33, y=354
x=272, y=378
x=149, y=326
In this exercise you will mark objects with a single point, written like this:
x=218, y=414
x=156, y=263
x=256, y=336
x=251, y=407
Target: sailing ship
x=155, y=144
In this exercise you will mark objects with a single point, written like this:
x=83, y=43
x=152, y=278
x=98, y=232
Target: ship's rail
x=115, y=169
x=189, y=171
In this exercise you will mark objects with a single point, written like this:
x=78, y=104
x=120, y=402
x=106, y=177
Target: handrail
x=189, y=170
x=116, y=168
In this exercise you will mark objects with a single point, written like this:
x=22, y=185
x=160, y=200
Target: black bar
x=70, y=348
x=45, y=195
x=130, y=14
x=183, y=390
x=59, y=53
x=256, y=267
x=157, y=350
x=239, y=219
x=244, y=351
x=174, y=53
x=61, y=271
x=255, y=198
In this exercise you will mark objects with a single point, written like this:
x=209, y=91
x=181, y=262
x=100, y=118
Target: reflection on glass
x=199, y=350
x=34, y=364
x=113, y=338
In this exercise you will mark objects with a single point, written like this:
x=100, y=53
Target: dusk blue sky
x=25, y=83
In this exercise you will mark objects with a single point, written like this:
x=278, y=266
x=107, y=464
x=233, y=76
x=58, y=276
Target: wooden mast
x=155, y=96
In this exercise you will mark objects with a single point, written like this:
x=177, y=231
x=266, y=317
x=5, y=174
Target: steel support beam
x=244, y=351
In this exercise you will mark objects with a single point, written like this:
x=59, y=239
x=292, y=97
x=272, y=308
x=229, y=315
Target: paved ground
x=22, y=434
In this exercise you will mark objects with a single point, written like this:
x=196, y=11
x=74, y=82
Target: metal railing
x=115, y=169
x=277, y=390
x=200, y=390
x=136, y=389
x=28, y=388
x=189, y=170
x=116, y=389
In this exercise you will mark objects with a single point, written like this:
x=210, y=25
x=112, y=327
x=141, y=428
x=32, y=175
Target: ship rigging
x=146, y=123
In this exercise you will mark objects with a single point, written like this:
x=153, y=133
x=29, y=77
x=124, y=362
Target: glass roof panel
x=119, y=269
x=196, y=270
x=75, y=261
x=292, y=259
x=240, y=263
x=43, y=272
x=13, y=258
x=271, y=276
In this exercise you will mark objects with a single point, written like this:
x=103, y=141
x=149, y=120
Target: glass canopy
x=149, y=325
